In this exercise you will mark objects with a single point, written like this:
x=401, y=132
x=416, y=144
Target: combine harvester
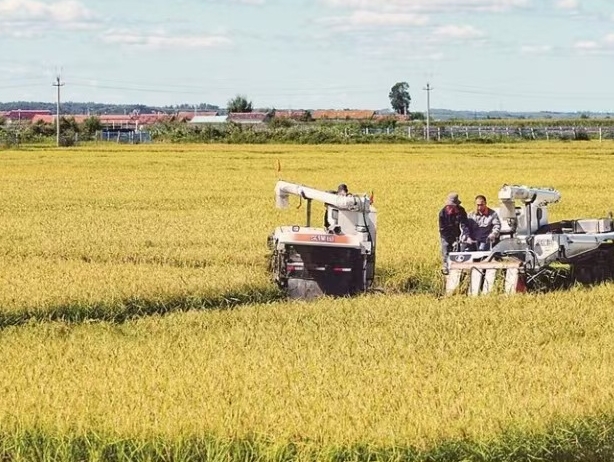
x=310, y=261
x=530, y=247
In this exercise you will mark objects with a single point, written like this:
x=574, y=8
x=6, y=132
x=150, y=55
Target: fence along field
x=101, y=233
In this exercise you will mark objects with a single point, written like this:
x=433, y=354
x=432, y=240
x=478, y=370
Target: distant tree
x=90, y=126
x=399, y=97
x=418, y=116
x=70, y=124
x=40, y=128
x=239, y=104
x=282, y=122
x=306, y=116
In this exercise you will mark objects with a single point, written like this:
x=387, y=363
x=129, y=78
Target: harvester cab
x=308, y=261
x=529, y=246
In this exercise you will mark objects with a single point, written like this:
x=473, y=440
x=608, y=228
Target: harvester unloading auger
x=531, y=247
x=309, y=261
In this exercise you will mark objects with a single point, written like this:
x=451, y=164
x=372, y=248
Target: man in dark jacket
x=452, y=222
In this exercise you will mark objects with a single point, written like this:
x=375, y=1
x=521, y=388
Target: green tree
x=306, y=117
x=239, y=104
x=399, y=97
x=90, y=126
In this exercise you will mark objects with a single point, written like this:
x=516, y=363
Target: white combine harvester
x=529, y=246
x=309, y=261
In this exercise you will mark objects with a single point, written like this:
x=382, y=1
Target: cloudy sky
x=476, y=54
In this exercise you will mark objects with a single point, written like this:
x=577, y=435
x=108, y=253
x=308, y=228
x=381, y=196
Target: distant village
x=138, y=121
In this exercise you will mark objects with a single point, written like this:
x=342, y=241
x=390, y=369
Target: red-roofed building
x=249, y=118
x=186, y=116
x=17, y=115
x=342, y=115
x=290, y=114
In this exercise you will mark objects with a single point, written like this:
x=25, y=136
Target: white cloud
x=567, y=4
x=458, y=32
x=243, y=2
x=429, y=5
x=536, y=49
x=62, y=11
x=364, y=18
x=596, y=47
x=25, y=19
x=587, y=45
x=162, y=40
x=370, y=18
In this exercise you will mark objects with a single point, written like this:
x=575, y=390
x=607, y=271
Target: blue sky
x=512, y=55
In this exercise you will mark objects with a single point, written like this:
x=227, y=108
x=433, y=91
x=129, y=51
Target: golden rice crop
x=106, y=232
x=108, y=223
x=380, y=370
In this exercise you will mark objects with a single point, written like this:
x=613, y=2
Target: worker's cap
x=453, y=199
x=342, y=187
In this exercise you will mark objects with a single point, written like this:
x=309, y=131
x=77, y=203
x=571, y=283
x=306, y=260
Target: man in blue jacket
x=452, y=223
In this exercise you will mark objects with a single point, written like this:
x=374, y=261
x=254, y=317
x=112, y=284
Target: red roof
x=188, y=115
x=105, y=119
x=248, y=117
x=25, y=114
x=47, y=119
x=289, y=114
x=343, y=114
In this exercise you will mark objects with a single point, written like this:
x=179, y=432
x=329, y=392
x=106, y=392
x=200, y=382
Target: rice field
x=117, y=264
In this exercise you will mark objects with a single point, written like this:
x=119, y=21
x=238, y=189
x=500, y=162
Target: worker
x=452, y=224
x=342, y=190
x=484, y=226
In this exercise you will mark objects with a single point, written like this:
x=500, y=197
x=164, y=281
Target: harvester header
x=530, y=246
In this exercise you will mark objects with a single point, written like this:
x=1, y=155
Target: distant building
x=249, y=118
x=187, y=116
x=208, y=119
x=342, y=115
x=17, y=115
x=293, y=114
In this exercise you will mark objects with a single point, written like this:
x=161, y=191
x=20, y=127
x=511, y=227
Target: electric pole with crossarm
x=59, y=84
x=428, y=111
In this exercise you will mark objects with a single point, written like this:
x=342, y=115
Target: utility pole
x=58, y=84
x=428, y=111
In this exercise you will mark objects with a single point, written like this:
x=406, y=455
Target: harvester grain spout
x=530, y=245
